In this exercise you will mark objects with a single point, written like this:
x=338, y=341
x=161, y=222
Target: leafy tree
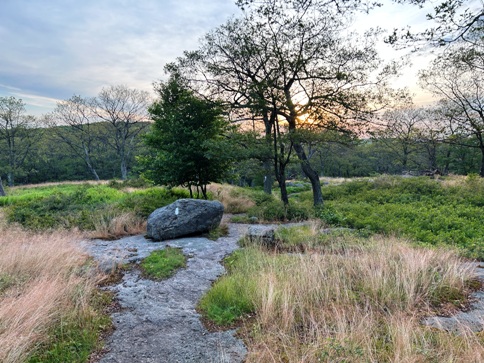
x=18, y=135
x=187, y=139
x=288, y=62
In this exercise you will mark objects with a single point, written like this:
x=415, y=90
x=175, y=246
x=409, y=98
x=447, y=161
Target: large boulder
x=183, y=218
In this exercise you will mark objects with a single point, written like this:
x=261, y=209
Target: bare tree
x=17, y=134
x=2, y=191
x=401, y=132
x=450, y=21
x=460, y=87
x=72, y=124
x=125, y=112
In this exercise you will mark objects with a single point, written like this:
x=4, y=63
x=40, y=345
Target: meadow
x=355, y=292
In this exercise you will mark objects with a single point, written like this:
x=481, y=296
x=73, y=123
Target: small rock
x=262, y=235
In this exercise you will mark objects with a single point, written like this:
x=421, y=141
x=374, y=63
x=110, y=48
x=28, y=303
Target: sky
x=51, y=50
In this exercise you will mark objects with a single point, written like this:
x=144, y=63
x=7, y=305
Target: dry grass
x=53, y=184
x=41, y=279
x=113, y=226
x=232, y=199
x=335, y=180
x=360, y=306
x=453, y=181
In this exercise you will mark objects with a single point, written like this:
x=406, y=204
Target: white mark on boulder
x=176, y=211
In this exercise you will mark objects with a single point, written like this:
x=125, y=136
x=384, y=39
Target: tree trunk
x=310, y=173
x=10, y=179
x=124, y=169
x=283, y=187
x=267, y=177
x=91, y=168
x=268, y=123
x=481, y=172
x=2, y=191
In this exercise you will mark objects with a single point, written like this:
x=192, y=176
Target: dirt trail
x=158, y=321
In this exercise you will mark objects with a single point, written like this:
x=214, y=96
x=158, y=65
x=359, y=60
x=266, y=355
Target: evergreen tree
x=187, y=139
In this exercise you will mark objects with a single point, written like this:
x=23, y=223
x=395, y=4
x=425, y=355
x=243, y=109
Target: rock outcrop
x=184, y=217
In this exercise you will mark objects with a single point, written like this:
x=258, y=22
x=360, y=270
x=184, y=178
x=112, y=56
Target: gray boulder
x=184, y=217
x=263, y=235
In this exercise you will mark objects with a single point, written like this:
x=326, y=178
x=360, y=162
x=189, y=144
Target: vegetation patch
x=221, y=231
x=231, y=297
x=428, y=211
x=76, y=336
x=50, y=308
x=162, y=264
x=236, y=200
x=362, y=304
x=110, y=212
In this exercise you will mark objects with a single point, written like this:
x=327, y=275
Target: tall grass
x=234, y=199
x=43, y=280
x=362, y=304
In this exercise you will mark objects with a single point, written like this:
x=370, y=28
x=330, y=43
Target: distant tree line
x=308, y=98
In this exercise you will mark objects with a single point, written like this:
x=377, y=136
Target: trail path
x=158, y=321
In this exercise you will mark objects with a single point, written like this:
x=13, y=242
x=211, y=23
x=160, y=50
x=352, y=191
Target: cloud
x=57, y=48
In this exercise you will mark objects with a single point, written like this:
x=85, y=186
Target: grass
x=47, y=310
x=162, y=264
x=360, y=303
x=352, y=296
x=235, y=200
x=231, y=296
x=221, y=231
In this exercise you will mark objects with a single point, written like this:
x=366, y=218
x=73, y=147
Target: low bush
x=429, y=211
x=270, y=209
x=109, y=212
x=144, y=202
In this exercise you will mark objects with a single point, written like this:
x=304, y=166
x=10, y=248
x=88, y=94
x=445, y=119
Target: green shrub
x=81, y=206
x=271, y=209
x=419, y=208
x=162, y=264
x=144, y=202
